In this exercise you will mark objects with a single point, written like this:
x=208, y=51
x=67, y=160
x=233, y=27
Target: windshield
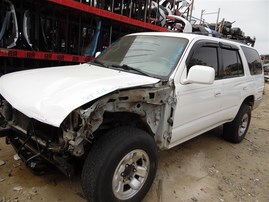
x=156, y=56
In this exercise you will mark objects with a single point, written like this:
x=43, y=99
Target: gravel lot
x=206, y=168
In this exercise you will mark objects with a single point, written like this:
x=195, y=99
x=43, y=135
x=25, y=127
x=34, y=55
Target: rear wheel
x=236, y=130
x=121, y=166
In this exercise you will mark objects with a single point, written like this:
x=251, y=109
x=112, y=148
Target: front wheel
x=236, y=130
x=121, y=166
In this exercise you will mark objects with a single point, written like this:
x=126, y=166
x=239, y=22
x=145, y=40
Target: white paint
x=50, y=94
x=187, y=24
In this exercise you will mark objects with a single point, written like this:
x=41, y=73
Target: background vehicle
x=266, y=72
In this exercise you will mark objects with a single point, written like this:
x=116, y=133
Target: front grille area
x=46, y=133
x=19, y=120
x=40, y=146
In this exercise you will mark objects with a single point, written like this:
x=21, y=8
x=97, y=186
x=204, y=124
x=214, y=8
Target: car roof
x=190, y=37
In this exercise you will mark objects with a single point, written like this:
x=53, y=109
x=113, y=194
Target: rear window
x=254, y=61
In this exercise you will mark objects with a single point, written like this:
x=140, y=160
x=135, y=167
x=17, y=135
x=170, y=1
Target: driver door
x=198, y=105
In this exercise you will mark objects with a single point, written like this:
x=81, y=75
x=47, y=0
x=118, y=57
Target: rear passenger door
x=234, y=80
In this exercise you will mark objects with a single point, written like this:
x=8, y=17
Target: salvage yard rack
x=61, y=32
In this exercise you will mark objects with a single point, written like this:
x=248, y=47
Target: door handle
x=217, y=93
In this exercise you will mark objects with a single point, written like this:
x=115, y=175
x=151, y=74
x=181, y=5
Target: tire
x=236, y=130
x=121, y=166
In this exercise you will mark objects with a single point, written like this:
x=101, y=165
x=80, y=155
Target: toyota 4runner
x=147, y=92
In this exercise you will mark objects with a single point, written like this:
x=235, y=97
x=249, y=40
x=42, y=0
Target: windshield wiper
x=100, y=63
x=127, y=67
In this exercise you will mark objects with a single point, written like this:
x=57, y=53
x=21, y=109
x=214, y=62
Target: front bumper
x=37, y=153
x=39, y=145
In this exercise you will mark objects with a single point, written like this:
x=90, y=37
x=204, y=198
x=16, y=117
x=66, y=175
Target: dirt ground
x=206, y=168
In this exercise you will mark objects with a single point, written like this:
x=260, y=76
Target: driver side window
x=207, y=56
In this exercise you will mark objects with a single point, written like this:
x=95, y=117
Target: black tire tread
x=101, y=150
x=230, y=130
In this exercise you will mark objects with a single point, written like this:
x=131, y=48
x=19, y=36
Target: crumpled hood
x=50, y=94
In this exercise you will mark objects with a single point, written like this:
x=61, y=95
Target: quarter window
x=232, y=65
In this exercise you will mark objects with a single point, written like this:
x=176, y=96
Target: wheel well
x=112, y=120
x=249, y=101
x=117, y=119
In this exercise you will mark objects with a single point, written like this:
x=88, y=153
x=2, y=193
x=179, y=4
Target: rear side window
x=232, y=65
x=207, y=56
x=254, y=61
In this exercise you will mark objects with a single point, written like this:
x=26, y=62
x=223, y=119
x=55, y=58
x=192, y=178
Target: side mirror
x=200, y=74
x=97, y=54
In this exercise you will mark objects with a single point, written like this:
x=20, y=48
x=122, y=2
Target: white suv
x=148, y=91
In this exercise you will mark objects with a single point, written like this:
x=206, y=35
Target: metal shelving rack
x=61, y=32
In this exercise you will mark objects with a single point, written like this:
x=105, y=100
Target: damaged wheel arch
x=141, y=108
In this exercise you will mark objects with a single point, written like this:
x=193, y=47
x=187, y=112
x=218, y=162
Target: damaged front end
x=147, y=108
x=39, y=145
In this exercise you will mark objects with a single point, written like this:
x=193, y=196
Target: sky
x=252, y=16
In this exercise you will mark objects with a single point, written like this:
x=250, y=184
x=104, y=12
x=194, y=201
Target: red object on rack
x=15, y=53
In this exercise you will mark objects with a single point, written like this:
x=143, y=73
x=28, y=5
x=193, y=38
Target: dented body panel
x=50, y=94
